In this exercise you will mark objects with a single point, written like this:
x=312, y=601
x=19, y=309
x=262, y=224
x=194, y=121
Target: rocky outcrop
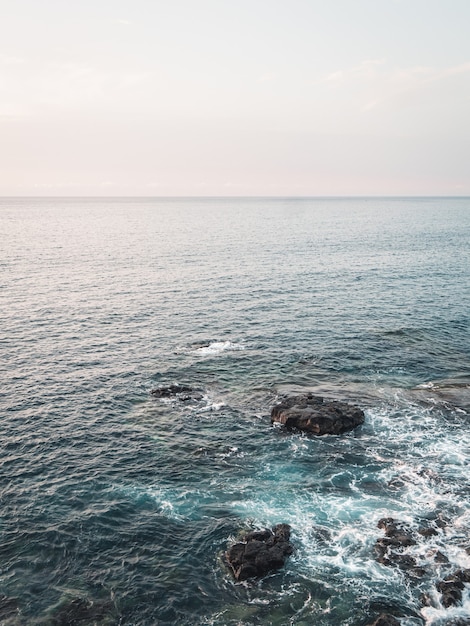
x=314, y=415
x=390, y=550
x=260, y=552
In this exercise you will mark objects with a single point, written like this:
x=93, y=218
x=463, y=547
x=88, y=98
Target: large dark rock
x=260, y=552
x=316, y=416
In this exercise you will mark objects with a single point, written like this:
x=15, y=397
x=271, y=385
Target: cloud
x=376, y=81
x=365, y=69
x=335, y=76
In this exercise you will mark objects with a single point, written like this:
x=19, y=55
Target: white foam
x=211, y=406
x=439, y=616
x=216, y=347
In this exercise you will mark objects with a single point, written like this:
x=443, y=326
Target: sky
x=234, y=97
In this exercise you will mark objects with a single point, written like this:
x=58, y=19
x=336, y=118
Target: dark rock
x=464, y=575
x=426, y=599
x=316, y=416
x=182, y=392
x=260, y=552
x=282, y=532
x=439, y=557
x=451, y=591
x=389, y=549
x=397, y=531
x=440, y=521
x=396, y=484
x=452, y=586
x=385, y=620
x=258, y=535
x=321, y=535
x=427, y=531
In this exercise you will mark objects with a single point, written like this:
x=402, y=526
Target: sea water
x=117, y=507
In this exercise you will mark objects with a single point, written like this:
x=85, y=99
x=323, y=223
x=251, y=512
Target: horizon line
x=233, y=197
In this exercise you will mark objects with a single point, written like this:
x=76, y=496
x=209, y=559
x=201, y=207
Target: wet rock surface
x=390, y=550
x=316, y=416
x=452, y=586
x=260, y=552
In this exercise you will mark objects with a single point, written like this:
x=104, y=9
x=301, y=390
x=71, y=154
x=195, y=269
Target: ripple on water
x=117, y=506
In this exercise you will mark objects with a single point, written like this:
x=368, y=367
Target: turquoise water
x=123, y=504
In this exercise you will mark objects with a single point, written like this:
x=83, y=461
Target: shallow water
x=120, y=505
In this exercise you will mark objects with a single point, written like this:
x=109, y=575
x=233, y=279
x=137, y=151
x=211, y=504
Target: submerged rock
x=78, y=611
x=8, y=607
x=260, y=552
x=316, y=416
x=385, y=620
x=427, y=531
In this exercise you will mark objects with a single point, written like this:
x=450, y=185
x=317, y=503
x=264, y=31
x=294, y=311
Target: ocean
x=117, y=506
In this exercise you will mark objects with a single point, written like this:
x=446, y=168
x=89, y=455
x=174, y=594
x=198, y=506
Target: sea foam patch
x=217, y=347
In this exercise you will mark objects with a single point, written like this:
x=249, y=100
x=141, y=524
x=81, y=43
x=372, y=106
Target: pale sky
x=234, y=97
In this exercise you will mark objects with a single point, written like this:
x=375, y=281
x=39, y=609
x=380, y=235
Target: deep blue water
x=115, y=500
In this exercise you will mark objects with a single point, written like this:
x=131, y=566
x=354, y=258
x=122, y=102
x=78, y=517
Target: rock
x=399, y=532
x=316, y=416
x=390, y=549
x=439, y=557
x=182, y=392
x=452, y=586
x=426, y=599
x=385, y=620
x=427, y=531
x=260, y=552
